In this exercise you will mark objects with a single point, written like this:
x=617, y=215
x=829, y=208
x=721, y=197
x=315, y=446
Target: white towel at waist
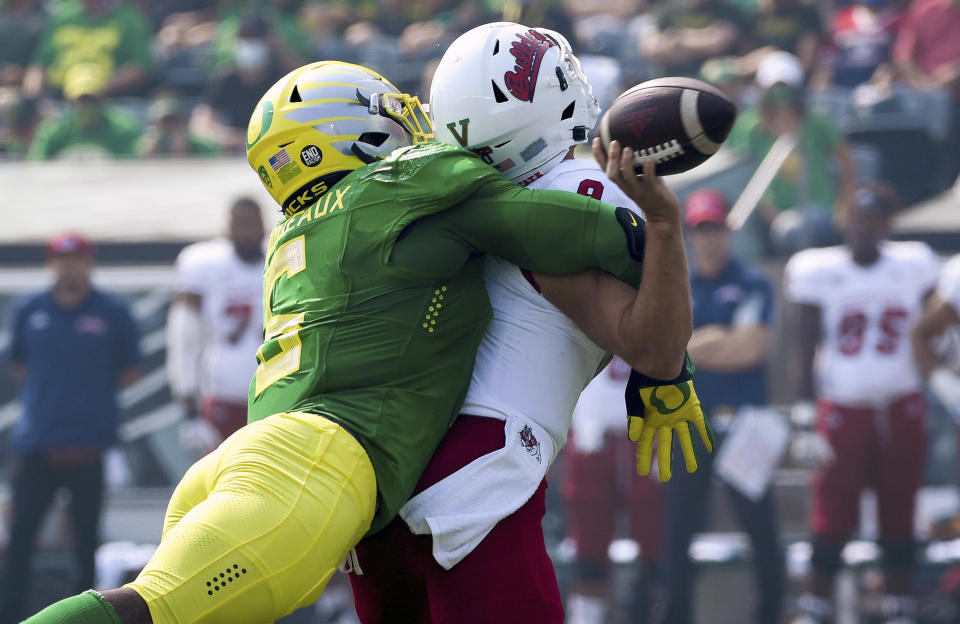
x=462, y=508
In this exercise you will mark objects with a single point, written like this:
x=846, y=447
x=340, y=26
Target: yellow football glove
x=658, y=411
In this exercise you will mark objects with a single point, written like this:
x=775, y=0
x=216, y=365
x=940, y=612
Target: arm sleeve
x=540, y=230
x=800, y=283
x=190, y=277
x=906, y=40
x=949, y=285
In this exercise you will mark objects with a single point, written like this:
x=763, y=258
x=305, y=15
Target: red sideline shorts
x=507, y=579
x=225, y=416
x=601, y=483
x=880, y=448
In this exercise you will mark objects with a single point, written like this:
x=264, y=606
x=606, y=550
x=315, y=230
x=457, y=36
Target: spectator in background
x=789, y=25
x=224, y=113
x=19, y=117
x=689, y=32
x=109, y=35
x=168, y=133
x=805, y=182
x=732, y=314
x=859, y=43
x=21, y=22
x=215, y=327
x=927, y=56
x=89, y=127
x=600, y=483
x=854, y=308
x=288, y=42
x=927, y=50
x=72, y=347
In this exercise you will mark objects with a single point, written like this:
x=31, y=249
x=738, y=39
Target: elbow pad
x=183, y=349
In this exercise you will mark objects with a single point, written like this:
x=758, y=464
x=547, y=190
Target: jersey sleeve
x=190, y=272
x=756, y=308
x=541, y=230
x=949, y=285
x=802, y=279
x=928, y=270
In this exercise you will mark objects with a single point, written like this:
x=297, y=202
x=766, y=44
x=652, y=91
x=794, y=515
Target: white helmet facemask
x=514, y=95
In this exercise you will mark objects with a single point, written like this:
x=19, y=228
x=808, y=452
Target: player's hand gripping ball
x=679, y=122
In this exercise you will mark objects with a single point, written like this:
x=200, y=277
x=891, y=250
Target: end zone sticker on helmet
x=311, y=156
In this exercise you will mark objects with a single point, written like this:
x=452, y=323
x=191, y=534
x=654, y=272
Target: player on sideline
x=215, y=327
x=374, y=305
x=469, y=547
x=855, y=307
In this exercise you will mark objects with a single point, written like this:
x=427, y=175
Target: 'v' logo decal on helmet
x=461, y=136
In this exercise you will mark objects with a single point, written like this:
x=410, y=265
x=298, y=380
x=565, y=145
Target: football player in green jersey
x=374, y=306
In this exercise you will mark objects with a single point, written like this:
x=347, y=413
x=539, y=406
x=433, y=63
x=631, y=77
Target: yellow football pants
x=256, y=528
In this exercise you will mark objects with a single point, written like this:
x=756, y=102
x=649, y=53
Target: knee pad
x=898, y=553
x=826, y=555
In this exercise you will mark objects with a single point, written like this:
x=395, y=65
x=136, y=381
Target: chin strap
x=362, y=155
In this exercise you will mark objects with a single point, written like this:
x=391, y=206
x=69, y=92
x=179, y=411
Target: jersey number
x=288, y=260
x=241, y=313
x=854, y=324
x=590, y=188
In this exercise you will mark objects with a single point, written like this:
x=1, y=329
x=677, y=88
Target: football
x=680, y=122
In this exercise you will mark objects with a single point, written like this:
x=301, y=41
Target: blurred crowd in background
x=864, y=83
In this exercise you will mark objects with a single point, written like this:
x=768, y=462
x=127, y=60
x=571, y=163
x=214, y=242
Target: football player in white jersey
x=215, y=327
x=855, y=306
x=468, y=547
x=933, y=354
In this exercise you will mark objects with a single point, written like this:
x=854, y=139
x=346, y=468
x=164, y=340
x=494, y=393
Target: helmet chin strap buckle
x=580, y=133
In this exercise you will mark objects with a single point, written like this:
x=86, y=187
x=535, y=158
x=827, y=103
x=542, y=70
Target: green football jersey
x=374, y=302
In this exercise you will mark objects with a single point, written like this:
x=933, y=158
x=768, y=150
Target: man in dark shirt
x=72, y=347
x=732, y=313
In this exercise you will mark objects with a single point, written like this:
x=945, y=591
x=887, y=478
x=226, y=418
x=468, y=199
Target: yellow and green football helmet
x=320, y=122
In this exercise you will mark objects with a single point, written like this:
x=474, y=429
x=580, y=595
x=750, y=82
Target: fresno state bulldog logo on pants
x=528, y=50
x=529, y=442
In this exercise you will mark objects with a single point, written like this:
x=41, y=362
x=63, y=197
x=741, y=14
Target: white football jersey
x=232, y=313
x=533, y=361
x=949, y=285
x=865, y=356
x=601, y=407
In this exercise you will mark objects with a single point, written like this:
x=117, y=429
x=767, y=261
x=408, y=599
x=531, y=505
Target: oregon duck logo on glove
x=659, y=409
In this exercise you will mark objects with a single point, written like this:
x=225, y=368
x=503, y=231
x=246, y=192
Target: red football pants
x=507, y=579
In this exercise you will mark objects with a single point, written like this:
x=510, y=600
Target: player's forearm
x=923, y=353
x=660, y=315
x=729, y=350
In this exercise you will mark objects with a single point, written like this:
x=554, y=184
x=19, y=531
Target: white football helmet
x=515, y=95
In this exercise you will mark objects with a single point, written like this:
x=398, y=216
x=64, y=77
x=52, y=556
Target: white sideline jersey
x=949, y=285
x=866, y=313
x=232, y=315
x=530, y=368
x=601, y=407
